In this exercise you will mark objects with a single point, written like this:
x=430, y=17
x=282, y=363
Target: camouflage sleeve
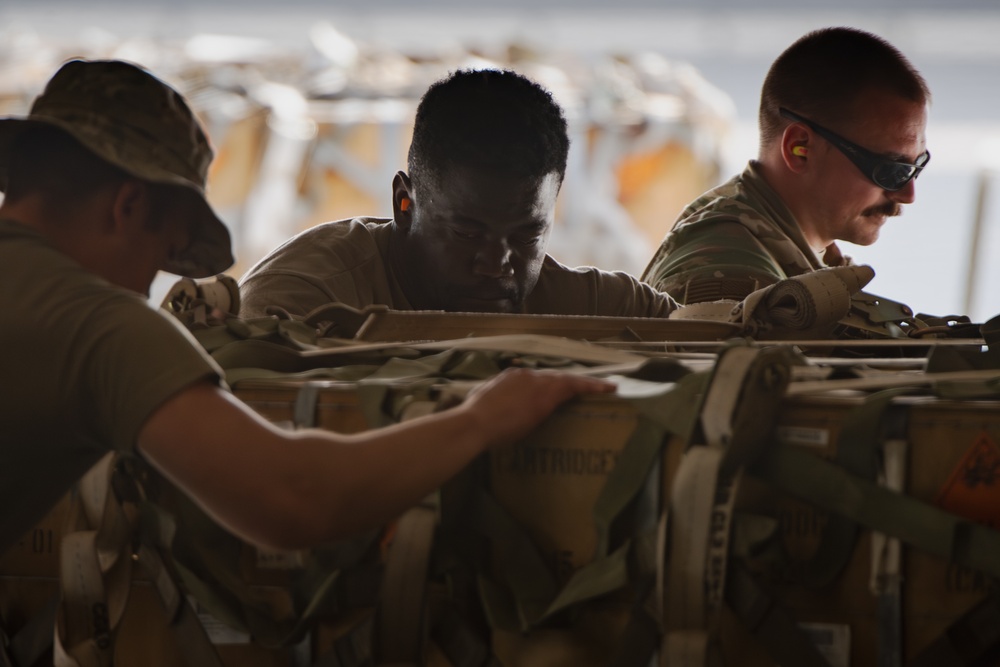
x=710, y=261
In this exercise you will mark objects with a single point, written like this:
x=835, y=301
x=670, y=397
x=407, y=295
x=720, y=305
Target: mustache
x=889, y=209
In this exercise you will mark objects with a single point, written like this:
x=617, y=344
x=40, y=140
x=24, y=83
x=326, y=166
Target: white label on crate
x=833, y=642
x=801, y=435
x=279, y=560
x=217, y=631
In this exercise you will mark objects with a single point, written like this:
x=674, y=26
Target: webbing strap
x=304, y=412
x=693, y=588
x=401, y=631
x=737, y=418
x=532, y=594
x=527, y=585
x=916, y=523
x=966, y=641
x=95, y=573
x=811, y=302
x=786, y=644
x=206, y=558
x=192, y=639
x=529, y=594
x=460, y=642
x=886, y=576
x=641, y=636
x=738, y=411
x=626, y=480
x=857, y=451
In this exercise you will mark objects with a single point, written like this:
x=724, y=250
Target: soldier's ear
x=795, y=142
x=131, y=206
x=402, y=200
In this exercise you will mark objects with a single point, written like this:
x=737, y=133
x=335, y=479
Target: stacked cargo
x=736, y=501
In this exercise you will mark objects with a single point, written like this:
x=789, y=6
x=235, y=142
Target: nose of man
x=493, y=260
x=906, y=194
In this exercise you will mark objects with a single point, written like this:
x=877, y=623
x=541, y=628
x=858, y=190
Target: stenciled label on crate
x=972, y=490
x=550, y=482
x=541, y=460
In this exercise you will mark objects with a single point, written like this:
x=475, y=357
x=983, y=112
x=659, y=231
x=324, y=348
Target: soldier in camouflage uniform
x=842, y=120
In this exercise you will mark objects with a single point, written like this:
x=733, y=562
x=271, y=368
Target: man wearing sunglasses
x=842, y=120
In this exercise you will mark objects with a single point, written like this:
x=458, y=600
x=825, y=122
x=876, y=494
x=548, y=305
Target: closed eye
x=468, y=235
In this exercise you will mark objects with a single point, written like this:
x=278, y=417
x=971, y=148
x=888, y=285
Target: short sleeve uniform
x=85, y=363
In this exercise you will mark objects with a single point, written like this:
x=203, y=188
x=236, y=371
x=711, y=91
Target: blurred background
x=310, y=107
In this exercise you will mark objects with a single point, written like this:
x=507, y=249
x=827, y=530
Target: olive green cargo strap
x=526, y=593
x=887, y=560
x=916, y=523
x=775, y=628
x=401, y=627
x=641, y=636
x=461, y=644
x=207, y=559
x=737, y=419
x=966, y=641
x=353, y=649
x=808, y=305
x=192, y=640
x=857, y=452
x=95, y=573
x=95, y=579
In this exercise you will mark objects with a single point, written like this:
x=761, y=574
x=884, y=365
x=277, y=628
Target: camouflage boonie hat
x=136, y=122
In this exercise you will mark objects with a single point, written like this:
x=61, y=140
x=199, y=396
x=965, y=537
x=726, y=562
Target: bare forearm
x=300, y=489
x=381, y=473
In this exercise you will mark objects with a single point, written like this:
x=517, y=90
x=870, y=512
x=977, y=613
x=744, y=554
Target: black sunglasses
x=884, y=172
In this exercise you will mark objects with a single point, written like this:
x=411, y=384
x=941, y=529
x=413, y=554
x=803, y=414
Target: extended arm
x=296, y=489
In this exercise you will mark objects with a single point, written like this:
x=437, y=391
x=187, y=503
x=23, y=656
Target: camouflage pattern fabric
x=133, y=120
x=731, y=241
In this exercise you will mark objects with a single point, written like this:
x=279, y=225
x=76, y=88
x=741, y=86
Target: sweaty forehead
x=484, y=196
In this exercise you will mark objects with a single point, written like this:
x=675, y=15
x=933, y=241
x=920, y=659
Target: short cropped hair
x=492, y=120
x=821, y=75
x=48, y=161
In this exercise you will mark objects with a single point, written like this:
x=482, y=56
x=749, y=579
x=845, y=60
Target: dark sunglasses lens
x=893, y=175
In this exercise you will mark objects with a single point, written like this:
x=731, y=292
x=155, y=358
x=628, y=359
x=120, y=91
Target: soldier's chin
x=869, y=233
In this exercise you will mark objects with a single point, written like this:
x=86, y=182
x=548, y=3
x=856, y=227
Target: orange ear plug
x=404, y=205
